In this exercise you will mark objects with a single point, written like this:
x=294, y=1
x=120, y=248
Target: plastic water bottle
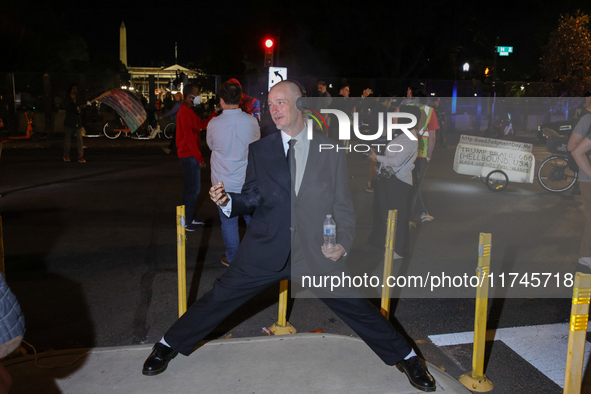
x=330, y=231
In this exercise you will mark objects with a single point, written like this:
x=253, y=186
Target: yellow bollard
x=388, y=257
x=579, y=317
x=2, y=249
x=282, y=326
x=476, y=380
x=181, y=258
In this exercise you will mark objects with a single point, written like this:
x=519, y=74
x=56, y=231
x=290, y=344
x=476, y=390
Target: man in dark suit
x=288, y=203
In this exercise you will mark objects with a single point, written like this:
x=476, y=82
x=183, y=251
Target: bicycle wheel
x=555, y=176
x=169, y=130
x=497, y=180
x=110, y=132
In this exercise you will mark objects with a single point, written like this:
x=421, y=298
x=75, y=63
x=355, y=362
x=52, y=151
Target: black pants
x=390, y=194
x=237, y=285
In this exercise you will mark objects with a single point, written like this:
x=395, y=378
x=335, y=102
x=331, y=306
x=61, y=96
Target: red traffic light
x=269, y=43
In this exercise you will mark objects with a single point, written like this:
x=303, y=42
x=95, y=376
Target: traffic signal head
x=269, y=46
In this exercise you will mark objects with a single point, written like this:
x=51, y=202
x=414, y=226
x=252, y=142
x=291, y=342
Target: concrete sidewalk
x=299, y=363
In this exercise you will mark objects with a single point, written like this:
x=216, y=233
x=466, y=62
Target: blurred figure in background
x=73, y=124
x=393, y=185
x=440, y=133
x=178, y=97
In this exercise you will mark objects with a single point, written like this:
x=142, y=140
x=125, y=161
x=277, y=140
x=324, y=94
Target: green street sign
x=505, y=50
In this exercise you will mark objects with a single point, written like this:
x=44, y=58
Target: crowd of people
x=395, y=176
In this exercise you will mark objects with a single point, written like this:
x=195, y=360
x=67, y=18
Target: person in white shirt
x=228, y=137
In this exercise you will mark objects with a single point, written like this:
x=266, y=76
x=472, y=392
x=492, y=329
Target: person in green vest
x=427, y=136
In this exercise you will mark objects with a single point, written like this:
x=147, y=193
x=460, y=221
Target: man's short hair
x=343, y=86
x=321, y=83
x=231, y=93
x=296, y=89
x=72, y=86
x=188, y=89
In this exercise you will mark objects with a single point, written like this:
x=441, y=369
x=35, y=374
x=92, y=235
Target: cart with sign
x=496, y=162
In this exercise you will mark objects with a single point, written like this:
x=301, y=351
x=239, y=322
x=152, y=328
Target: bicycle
x=558, y=173
x=112, y=129
x=169, y=130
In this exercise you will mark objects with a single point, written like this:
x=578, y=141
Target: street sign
x=276, y=75
x=504, y=51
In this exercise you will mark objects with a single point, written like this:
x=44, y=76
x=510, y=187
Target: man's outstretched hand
x=333, y=252
x=217, y=193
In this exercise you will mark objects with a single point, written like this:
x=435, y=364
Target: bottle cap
x=329, y=216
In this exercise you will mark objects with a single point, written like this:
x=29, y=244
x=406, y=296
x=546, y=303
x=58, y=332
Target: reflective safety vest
x=423, y=148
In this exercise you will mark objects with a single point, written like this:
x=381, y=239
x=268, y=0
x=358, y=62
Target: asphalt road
x=90, y=253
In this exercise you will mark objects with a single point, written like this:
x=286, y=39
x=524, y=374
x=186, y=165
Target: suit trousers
x=239, y=284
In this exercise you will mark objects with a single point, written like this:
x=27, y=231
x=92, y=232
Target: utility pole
x=492, y=112
x=494, y=96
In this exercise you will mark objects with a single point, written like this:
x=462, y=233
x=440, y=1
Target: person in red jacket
x=188, y=141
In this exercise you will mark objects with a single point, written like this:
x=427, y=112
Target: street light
x=466, y=67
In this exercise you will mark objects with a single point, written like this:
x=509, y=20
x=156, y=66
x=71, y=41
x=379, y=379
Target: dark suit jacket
x=281, y=220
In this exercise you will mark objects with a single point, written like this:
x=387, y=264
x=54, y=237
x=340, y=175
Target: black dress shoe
x=417, y=374
x=158, y=360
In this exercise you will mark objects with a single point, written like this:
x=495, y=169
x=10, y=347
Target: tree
x=34, y=39
x=566, y=63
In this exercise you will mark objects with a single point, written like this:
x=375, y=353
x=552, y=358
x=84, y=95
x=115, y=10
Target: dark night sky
x=336, y=38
